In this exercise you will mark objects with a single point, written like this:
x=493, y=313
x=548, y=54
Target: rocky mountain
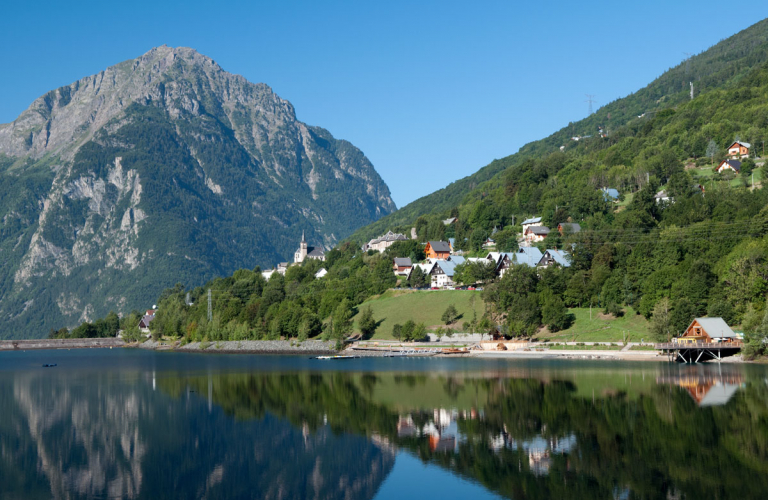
x=159, y=170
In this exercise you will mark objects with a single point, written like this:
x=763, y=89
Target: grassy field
x=398, y=306
x=601, y=328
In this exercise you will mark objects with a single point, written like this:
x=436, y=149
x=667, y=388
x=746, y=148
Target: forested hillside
x=720, y=67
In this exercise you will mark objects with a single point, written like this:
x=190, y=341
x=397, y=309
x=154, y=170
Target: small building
x=707, y=330
x=527, y=256
x=450, y=221
x=739, y=149
x=489, y=243
x=535, y=234
x=321, y=273
x=383, y=242
x=442, y=273
x=724, y=165
x=402, y=266
x=565, y=228
x=145, y=321
x=438, y=250
x=533, y=221
x=662, y=197
x=555, y=257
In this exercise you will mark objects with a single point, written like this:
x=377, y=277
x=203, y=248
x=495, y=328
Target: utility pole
x=691, y=90
x=590, y=100
x=210, y=312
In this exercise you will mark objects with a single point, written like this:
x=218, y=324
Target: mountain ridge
x=165, y=161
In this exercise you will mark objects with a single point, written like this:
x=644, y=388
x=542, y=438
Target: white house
x=383, y=242
x=534, y=234
x=533, y=221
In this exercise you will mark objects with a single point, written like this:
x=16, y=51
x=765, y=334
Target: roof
x=449, y=221
x=538, y=230
x=529, y=256
x=390, y=236
x=718, y=394
x=439, y=246
x=315, y=252
x=740, y=143
x=403, y=262
x=569, y=227
x=716, y=328
x=559, y=256
x=448, y=266
x=610, y=193
x=734, y=164
x=322, y=272
x=457, y=259
x=661, y=195
x=532, y=220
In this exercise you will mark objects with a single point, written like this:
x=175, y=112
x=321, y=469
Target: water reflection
x=552, y=430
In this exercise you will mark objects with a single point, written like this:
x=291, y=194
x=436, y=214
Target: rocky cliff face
x=159, y=170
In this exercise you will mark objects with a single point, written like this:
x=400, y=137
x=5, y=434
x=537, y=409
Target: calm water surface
x=134, y=424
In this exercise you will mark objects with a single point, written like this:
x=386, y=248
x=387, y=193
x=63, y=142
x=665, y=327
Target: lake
x=128, y=423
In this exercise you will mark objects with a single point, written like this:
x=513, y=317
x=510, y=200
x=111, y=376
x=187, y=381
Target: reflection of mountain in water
x=102, y=437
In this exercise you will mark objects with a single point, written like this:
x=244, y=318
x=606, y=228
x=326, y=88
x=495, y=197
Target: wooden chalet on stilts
x=705, y=339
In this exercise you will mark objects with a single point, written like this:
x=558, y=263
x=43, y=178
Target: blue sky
x=430, y=91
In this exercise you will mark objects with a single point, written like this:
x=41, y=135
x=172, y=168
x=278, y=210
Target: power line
x=590, y=99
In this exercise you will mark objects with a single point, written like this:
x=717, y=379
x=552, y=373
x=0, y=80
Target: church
x=305, y=252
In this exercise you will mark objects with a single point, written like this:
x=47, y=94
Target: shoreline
x=321, y=348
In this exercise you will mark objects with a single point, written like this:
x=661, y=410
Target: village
x=443, y=263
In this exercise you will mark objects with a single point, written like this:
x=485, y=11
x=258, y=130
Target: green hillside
x=399, y=306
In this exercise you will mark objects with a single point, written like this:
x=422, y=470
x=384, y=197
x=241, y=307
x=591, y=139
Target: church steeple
x=302, y=237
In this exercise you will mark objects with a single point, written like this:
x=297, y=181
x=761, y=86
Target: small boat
x=49, y=365
x=337, y=357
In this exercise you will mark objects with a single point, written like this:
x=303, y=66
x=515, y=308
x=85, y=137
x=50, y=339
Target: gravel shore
x=251, y=346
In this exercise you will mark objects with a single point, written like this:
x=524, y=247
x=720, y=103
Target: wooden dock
x=696, y=352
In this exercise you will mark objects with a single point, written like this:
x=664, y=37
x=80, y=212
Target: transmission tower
x=590, y=100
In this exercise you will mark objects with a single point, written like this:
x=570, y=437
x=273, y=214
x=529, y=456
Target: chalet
x=565, y=228
x=145, y=321
x=489, y=243
x=527, y=256
x=739, y=149
x=707, y=330
x=610, y=194
x=438, y=250
x=402, y=266
x=555, y=257
x=442, y=273
x=534, y=221
x=383, y=242
x=734, y=165
x=536, y=233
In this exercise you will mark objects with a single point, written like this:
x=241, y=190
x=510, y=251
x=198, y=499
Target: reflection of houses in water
x=706, y=387
x=540, y=450
x=442, y=429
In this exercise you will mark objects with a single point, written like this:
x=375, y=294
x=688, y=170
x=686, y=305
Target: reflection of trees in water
x=536, y=439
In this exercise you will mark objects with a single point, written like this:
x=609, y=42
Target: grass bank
x=597, y=327
x=398, y=306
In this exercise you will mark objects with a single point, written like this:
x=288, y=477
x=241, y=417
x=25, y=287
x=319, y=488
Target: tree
x=555, y=315
x=417, y=278
x=366, y=323
x=450, y=315
x=397, y=331
x=342, y=321
x=661, y=321
x=712, y=149
x=756, y=341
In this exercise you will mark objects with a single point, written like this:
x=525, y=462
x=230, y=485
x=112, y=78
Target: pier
x=696, y=352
